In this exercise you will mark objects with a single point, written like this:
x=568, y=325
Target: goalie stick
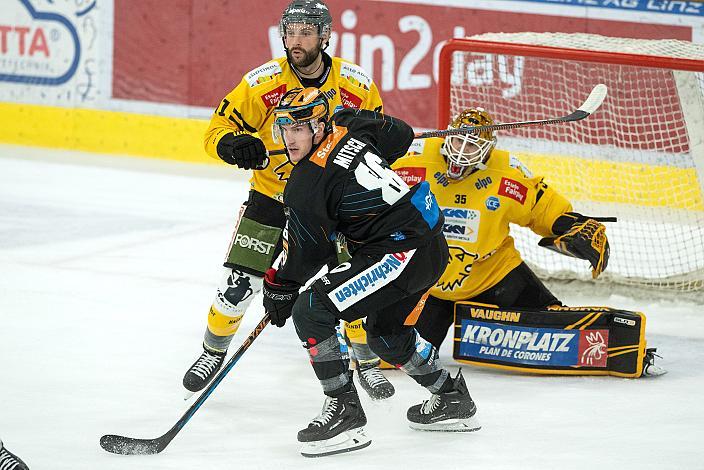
x=591, y=104
x=133, y=446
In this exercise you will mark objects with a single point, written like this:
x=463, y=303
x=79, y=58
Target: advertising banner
x=52, y=53
x=193, y=53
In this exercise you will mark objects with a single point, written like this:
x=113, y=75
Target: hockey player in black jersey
x=342, y=184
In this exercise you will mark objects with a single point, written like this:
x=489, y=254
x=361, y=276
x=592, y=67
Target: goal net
x=639, y=158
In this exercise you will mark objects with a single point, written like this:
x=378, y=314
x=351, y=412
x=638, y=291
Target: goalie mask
x=312, y=12
x=464, y=153
x=300, y=106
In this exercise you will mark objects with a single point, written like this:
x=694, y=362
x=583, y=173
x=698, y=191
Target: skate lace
x=205, y=365
x=373, y=376
x=7, y=461
x=430, y=405
x=329, y=409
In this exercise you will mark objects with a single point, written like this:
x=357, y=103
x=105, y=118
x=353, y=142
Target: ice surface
x=107, y=269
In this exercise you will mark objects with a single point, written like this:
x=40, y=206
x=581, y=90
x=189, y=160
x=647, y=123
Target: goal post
x=639, y=158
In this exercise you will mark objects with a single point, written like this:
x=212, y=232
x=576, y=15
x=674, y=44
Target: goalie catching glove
x=278, y=298
x=580, y=237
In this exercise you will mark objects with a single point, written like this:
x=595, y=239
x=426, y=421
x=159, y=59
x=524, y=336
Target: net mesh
x=640, y=157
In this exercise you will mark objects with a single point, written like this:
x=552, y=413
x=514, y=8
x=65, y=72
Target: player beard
x=306, y=60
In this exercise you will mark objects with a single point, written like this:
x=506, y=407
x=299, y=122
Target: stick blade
x=594, y=100
x=130, y=446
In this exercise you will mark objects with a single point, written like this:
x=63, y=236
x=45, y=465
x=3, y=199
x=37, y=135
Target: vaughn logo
x=371, y=279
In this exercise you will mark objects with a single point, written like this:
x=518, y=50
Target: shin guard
x=413, y=355
x=233, y=297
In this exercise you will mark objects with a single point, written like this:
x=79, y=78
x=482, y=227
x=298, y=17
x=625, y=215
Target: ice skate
x=649, y=367
x=9, y=461
x=451, y=411
x=203, y=370
x=338, y=428
x=373, y=381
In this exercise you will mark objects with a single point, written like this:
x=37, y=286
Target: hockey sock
x=233, y=297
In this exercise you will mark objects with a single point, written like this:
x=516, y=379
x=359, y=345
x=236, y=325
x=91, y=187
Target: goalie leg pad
x=558, y=340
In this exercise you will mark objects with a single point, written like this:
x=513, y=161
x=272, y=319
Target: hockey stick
x=591, y=104
x=132, y=446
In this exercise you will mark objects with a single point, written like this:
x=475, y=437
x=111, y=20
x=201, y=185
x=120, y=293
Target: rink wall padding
x=100, y=131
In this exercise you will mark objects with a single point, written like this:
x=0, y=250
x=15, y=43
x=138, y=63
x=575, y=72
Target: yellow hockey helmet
x=464, y=153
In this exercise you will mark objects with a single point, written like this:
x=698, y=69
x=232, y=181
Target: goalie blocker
x=559, y=340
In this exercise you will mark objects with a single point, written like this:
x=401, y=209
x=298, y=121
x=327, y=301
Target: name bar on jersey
x=677, y=7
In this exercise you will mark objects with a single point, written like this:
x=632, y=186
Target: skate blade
x=348, y=441
x=449, y=425
x=187, y=395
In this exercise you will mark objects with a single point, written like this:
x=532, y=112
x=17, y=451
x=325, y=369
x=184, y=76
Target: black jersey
x=345, y=185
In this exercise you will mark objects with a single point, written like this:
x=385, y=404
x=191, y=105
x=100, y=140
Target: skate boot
x=649, y=367
x=9, y=461
x=373, y=381
x=451, y=411
x=203, y=370
x=338, y=428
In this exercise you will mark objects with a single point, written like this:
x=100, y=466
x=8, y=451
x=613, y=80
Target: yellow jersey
x=249, y=108
x=478, y=211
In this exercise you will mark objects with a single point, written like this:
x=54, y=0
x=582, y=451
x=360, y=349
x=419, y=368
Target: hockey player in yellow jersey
x=482, y=190
x=240, y=133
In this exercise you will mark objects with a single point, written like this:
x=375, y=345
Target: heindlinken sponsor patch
x=371, y=279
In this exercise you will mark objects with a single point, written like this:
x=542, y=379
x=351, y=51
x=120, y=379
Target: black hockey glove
x=580, y=237
x=278, y=298
x=243, y=150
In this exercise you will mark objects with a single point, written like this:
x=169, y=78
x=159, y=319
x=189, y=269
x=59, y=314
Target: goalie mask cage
x=640, y=157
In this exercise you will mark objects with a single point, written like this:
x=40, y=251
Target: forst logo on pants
x=371, y=279
x=254, y=244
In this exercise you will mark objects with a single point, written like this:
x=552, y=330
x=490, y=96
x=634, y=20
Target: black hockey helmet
x=313, y=12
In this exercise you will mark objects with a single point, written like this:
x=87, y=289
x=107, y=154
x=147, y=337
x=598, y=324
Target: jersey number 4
x=371, y=174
